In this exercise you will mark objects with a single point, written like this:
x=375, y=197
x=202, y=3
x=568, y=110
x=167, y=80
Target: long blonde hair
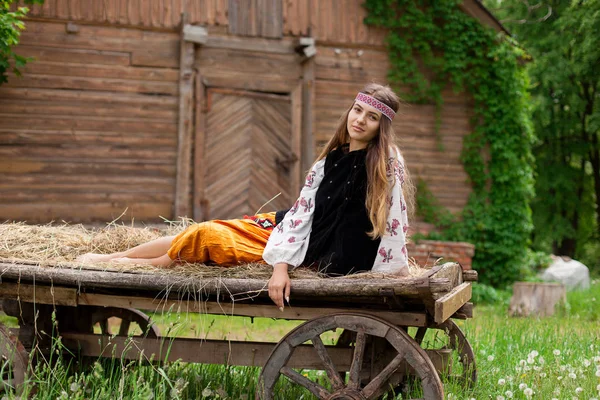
x=378, y=151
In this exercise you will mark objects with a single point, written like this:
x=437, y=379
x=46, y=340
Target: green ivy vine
x=458, y=51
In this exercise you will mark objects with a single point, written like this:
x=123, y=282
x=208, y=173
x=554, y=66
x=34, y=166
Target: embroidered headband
x=373, y=102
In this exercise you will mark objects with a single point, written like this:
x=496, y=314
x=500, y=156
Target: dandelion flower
x=556, y=352
x=541, y=360
x=572, y=375
x=587, y=363
x=528, y=392
x=501, y=381
x=543, y=374
x=536, y=368
x=500, y=397
x=508, y=394
x=490, y=358
x=530, y=360
x=74, y=387
x=522, y=386
x=598, y=388
x=578, y=390
x=207, y=392
x=598, y=373
x=522, y=363
x=559, y=378
x=533, y=354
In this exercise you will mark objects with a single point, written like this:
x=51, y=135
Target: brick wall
x=426, y=252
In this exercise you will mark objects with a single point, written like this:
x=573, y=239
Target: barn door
x=250, y=153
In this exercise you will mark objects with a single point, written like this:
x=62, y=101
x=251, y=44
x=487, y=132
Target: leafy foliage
x=562, y=38
x=11, y=25
x=456, y=49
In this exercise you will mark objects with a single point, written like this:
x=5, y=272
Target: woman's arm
x=392, y=256
x=288, y=243
x=280, y=285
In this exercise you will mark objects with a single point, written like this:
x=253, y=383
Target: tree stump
x=536, y=298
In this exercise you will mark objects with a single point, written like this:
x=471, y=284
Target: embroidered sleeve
x=288, y=242
x=392, y=256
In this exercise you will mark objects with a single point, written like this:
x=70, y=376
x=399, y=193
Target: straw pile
x=60, y=245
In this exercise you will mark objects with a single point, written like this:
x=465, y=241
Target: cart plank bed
x=375, y=352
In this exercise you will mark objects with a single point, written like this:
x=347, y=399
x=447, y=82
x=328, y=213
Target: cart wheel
x=460, y=365
x=101, y=315
x=367, y=329
x=14, y=362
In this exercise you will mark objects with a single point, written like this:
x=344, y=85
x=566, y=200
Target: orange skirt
x=224, y=242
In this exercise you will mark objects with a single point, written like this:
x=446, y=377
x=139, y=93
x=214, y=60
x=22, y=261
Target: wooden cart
x=375, y=347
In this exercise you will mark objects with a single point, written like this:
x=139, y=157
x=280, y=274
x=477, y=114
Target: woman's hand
x=279, y=285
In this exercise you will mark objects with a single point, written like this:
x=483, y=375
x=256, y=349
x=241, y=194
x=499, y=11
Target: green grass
x=556, y=357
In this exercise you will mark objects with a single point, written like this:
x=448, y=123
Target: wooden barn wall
x=91, y=127
x=119, y=79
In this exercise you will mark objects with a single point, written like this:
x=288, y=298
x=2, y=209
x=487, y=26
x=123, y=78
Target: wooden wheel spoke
x=104, y=327
x=124, y=328
x=357, y=359
x=303, y=381
x=330, y=369
x=420, y=335
x=373, y=387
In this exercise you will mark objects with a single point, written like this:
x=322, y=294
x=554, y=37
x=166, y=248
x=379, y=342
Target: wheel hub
x=347, y=394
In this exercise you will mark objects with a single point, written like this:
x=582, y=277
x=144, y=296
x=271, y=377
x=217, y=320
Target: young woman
x=351, y=214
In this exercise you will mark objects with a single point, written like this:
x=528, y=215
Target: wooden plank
x=80, y=56
x=199, y=205
x=228, y=352
x=297, y=175
x=66, y=68
x=89, y=96
x=448, y=304
x=241, y=309
x=57, y=122
x=308, y=114
x=77, y=109
x=87, y=83
x=183, y=188
x=97, y=211
x=39, y=294
x=301, y=288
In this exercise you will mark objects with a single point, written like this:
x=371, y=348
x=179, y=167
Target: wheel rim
x=13, y=362
x=465, y=372
x=101, y=316
x=367, y=328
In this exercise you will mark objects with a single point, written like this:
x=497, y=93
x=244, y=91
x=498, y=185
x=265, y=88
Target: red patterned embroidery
x=292, y=239
x=404, y=251
x=310, y=179
x=391, y=228
x=387, y=255
x=405, y=228
x=308, y=205
x=294, y=223
x=280, y=227
x=390, y=201
x=373, y=102
x=294, y=207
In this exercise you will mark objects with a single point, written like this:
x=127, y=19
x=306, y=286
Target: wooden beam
x=228, y=352
x=200, y=205
x=447, y=305
x=183, y=193
x=371, y=286
x=39, y=294
x=159, y=305
x=297, y=177
x=308, y=115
